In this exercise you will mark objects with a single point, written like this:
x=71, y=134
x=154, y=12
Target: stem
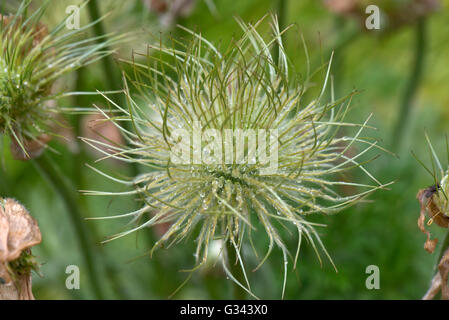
x=280, y=11
x=48, y=169
x=113, y=84
x=338, y=57
x=3, y=183
x=109, y=67
x=78, y=173
x=78, y=178
x=235, y=269
x=412, y=86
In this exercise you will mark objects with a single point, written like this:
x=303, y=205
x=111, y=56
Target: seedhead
x=230, y=144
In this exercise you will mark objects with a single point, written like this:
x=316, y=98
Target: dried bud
x=18, y=232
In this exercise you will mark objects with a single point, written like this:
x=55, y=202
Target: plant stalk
x=411, y=90
x=69, y=196
x=109, y=68
x=280, y=11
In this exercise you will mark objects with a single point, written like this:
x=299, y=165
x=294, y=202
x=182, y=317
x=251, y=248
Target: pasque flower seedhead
x=32, y=59
x=231, y=145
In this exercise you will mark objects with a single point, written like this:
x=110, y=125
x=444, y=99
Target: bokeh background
x=382, y=232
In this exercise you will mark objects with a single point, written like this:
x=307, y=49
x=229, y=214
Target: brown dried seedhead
x=426, y=198
x=427, y=202
x=18, y=233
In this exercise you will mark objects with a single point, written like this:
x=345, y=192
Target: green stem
x=78, y=173
x=280, y=11
x=78, y=180
x=236, y=271
x=412, y=87
x=108, y=65
x=48, y=169
x=3, y=182
x=344, y=38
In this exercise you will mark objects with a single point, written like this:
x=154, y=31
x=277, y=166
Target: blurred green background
x=382, y=232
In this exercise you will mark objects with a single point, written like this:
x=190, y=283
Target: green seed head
x=231, y=144
x=32, y=59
